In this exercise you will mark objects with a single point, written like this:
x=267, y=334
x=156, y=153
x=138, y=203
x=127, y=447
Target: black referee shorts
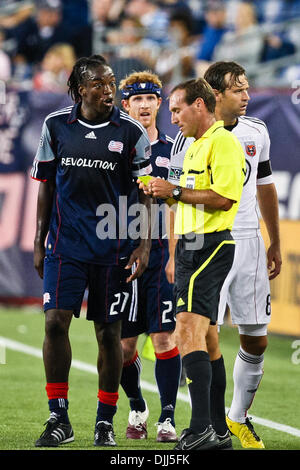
x=202, y=265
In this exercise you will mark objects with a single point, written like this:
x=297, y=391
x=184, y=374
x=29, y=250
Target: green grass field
x=23, y=404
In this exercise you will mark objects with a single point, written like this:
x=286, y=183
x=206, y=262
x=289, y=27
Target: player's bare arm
x=140, y=255
x=172, y=238
x=268, y=204
x=44, y=206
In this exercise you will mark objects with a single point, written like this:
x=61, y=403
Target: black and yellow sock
x=217, y=396
x=198, y=370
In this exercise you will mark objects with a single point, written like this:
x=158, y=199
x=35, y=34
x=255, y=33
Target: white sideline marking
x=25, y=349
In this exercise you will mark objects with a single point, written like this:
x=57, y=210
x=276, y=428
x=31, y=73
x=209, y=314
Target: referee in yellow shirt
x=207, y=201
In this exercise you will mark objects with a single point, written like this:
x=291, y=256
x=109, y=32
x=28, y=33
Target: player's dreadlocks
x=81, y=72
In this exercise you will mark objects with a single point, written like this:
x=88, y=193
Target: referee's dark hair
x=79, y=73
x=198, y=88
x=216, y=73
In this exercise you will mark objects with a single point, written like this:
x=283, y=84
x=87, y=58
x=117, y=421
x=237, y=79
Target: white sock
x=247, y=374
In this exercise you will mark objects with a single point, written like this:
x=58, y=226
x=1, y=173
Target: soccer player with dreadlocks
x=87, y=161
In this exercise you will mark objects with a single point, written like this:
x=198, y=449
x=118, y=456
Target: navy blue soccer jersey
x=160, y=162
x=94, y=167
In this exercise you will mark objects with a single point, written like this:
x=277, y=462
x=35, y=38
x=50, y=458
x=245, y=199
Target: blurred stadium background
x=39, y=42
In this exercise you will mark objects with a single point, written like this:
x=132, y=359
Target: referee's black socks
x=217, y=396
x=199, y=374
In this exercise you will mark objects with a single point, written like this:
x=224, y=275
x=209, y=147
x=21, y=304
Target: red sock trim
x=57, y=390
x=132, y=361
x=108, y=398
x=168, y=354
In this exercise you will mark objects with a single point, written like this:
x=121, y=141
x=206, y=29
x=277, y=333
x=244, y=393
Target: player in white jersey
x=246, y=289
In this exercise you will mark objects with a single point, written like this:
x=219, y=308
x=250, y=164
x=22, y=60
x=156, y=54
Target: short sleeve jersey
x=94, y=167
x=160, y=162
x=254, y=138
x=215, y=161
x=178, y=151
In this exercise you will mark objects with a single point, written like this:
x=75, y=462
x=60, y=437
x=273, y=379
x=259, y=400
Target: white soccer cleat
x=166, y=432
x=137, y=424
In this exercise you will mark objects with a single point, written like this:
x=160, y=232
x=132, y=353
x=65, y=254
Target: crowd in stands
x=178, y=39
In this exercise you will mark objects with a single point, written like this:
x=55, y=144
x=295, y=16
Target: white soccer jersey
x=178, y=151
x=254, y=138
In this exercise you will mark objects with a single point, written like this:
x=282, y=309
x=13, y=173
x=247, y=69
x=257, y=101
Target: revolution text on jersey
x=93, y=166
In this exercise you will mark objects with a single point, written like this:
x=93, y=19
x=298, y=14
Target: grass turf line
x=23, y=407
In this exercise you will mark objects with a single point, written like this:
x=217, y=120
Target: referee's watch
x=176, y=192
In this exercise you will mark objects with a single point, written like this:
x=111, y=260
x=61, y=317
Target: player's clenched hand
x=274, y=260
x=170, y=270
x=144, y=185
x=139, y=257
x=38, y=259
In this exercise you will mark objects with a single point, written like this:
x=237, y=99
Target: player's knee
x=163, y=341
x=108, y=334
x=213, y=350
x=254, y=344
x=129, y=346
x=183, y=335
x=191, y=332
x=57, y=323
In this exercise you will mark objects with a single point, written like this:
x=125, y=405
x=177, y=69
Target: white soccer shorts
x=246, y=289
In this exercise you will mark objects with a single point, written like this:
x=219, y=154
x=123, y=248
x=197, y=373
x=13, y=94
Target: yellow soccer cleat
x=246, y=434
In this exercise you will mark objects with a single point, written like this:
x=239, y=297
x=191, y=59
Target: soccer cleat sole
x=208, y=440
x=54, y=444
x=225, y=442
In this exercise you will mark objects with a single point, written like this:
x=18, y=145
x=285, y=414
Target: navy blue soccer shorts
x=156, y=311
x=109, y=299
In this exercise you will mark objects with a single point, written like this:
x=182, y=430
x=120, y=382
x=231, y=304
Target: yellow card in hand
x=145, y=179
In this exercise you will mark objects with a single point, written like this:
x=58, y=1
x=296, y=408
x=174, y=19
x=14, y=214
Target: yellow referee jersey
x=216, y=161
